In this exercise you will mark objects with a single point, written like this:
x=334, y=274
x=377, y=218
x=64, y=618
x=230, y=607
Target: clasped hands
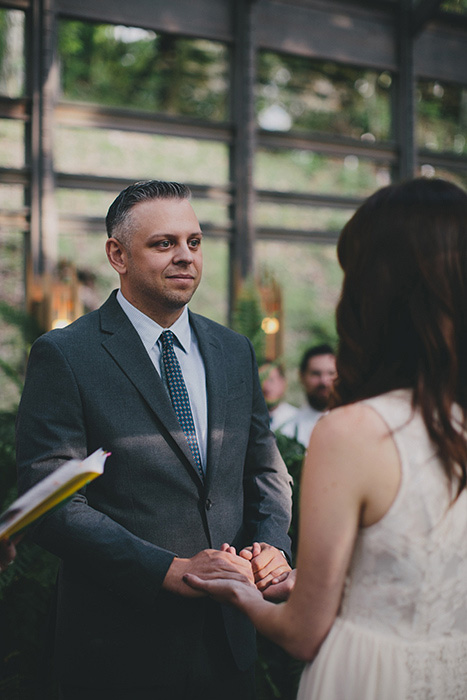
x=260, y=566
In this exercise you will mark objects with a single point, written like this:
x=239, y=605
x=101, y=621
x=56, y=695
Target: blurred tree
x=318, y=95
x=122, y=66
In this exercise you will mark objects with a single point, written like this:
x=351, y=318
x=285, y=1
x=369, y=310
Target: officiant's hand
x=7, y=554
x=268, y=564
x=206, y=565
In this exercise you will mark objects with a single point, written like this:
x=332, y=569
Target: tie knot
x=167, y=339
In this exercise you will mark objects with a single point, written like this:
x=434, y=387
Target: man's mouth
x=180, y=277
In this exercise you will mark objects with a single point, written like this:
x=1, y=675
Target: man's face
x=317, y=380
x=273, y=385
x=163, y=262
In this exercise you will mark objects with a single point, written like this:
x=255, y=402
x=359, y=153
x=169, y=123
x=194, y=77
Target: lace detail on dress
x=439, y=672
x=408, y=574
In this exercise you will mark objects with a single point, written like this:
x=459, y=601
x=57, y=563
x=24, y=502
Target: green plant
x=26, y=588
x=248, y=315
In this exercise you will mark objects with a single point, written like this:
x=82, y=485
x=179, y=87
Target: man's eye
x=195, y=242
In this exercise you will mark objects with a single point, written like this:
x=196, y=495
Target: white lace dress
x=401, y=633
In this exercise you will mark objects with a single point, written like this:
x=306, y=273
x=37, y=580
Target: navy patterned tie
x=179, y=395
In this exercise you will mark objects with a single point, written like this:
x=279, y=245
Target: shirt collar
x=149, y=331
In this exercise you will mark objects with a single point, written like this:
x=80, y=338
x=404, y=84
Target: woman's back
x=402, y=628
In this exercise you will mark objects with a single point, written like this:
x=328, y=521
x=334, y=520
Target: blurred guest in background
x=317, y=374
x=274, y=386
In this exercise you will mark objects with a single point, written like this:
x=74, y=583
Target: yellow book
x=50, y=492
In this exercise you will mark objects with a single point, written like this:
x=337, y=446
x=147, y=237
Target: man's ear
x=117, y=255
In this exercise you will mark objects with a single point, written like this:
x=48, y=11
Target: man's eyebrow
x=174, y=235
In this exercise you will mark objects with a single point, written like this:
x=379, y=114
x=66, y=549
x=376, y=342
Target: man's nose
x=183, y=254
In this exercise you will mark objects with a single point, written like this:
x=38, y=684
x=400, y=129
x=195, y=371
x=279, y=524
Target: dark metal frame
x=410, y=40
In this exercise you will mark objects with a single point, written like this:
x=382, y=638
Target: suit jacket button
x=208, y=504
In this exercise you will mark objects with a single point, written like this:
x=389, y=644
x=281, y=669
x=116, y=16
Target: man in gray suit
x=168, y=503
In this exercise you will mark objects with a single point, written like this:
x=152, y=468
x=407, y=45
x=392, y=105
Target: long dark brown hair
x=402, y=315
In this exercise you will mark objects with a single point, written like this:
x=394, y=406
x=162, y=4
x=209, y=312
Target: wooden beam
x=305, y=199
x=330, y=30
x=338, y=146
x=440, y=50
x=209, y=19
x=33, y=197
x=422, y=13
x=271, y=233
x=404, y=117
x=242, y=250
x=100, y=117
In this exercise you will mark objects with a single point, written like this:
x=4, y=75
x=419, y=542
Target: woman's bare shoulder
x=350, y=422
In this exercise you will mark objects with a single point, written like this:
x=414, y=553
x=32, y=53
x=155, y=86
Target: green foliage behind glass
x=247, y=318
x=319, y=95
x=131, y=67
x=442, y=116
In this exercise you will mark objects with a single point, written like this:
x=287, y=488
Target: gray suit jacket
x=93, y=385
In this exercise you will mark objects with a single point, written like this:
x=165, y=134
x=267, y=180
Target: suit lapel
x=124, y=345
x=216, y=389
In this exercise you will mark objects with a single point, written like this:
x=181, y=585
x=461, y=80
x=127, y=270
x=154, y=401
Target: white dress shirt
x=281, y=415
x=188, y=354
x=302, y=424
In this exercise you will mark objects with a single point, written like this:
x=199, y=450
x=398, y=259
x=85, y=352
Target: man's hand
x=208, y=564
x=268, y=564
x=278, y=592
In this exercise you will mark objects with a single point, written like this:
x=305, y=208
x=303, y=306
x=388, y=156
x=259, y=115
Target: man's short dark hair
x=323, y=349
x=117, y=216
x=274, y=363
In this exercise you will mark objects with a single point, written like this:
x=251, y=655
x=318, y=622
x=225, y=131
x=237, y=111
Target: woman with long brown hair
x=380, y=599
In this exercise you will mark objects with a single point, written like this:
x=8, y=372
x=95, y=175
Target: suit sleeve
x=51, y=429
x=267, y=483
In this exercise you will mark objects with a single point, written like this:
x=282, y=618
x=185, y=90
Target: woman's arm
x=350, y=478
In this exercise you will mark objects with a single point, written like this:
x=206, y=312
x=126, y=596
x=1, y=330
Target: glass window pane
x=137, y=68
x=12, y=140
x=441, y=116
x=84, y=202
x=11, y=197
x=305, y=171
x=304, y=94
x=310, y=279
x=140, y=156
x=211, y=212
x=12, y=64
x=301, y=217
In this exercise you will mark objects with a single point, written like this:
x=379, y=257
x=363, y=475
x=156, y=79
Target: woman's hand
x=232, y=590
x=280, y=591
